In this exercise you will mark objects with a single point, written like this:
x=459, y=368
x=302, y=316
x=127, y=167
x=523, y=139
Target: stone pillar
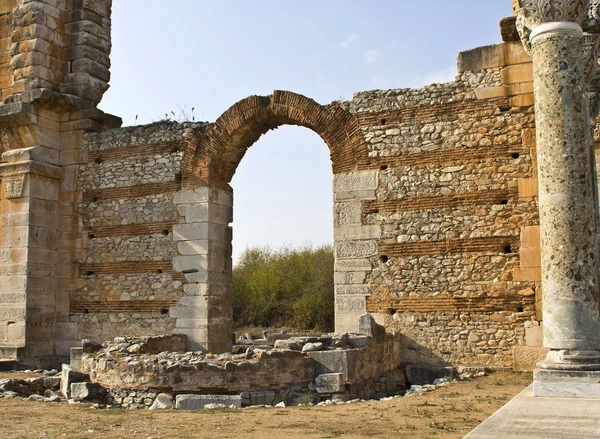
x=203, y=238
x=355, y=243
x=551, y=30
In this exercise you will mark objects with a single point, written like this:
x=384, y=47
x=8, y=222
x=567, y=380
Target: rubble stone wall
x=126, y=246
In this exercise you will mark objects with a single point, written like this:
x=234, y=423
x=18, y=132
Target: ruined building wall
x=435, y=215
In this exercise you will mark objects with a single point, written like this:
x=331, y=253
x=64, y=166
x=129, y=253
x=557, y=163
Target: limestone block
x=163, y=401
x=198, y=402
x=349, y=277
x=526, y=358
x=491, y=92
x=350, y=305
x=183, y=313
x=353, y=290
x=87, y=391
x=358, y=181
x=353, y=265
x=196, y=247
x=534, y=336
x=200, y=231
x=345, y=322
x=349, y=233
x=7, y=6
x=348, y=213
x=343, y=361
x=480, y=58
x=356, y=249
x=68, y=377
x=517, y=73
x=329, y=383
x=189, y=264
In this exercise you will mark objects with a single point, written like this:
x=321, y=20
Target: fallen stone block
x=163, y=401
x=87, y=391
x=288, y=344
x=197, y=402
x=329, y=383
x=68, y=377
x=309, y=347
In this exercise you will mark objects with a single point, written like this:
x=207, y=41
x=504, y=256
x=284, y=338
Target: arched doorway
x=205, y=206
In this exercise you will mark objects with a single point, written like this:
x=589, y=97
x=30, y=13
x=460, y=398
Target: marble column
x=551, y=30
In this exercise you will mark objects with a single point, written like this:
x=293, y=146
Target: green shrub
x=285, y=287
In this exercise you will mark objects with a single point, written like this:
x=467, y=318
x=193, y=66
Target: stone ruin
x=121, y=233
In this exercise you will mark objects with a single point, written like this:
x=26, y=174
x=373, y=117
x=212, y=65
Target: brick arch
x=215, y=150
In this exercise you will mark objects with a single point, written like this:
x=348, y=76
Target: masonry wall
x=125, y=237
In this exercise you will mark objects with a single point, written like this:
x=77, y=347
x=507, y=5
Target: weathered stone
x=162, y=401
x=87, y=391
x=69, y=377
x=198, y=402
x=329, y=383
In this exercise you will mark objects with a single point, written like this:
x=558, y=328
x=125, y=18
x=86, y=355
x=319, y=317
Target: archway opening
x=283, y=234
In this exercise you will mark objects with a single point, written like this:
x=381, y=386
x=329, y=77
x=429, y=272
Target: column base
x=568, y=374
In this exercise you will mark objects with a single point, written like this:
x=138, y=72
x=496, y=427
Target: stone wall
x=126, y=245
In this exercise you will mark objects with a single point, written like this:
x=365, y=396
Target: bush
x=285, y=287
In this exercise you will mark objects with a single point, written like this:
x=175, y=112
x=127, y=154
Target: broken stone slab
x=369, y=327
x=86, y=391
x=288, y=344
x=68, y=377
x=198, y=402
x=272, y=338
x=329, y=383
x=344, y=361
x=75, y=357
x=163, y=401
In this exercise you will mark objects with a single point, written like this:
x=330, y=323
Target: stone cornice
x=30, y=166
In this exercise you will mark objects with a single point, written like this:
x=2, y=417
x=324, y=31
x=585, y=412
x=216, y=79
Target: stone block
x=566, y=384
x=75, y=357
x=528, y=187
x=358, y=181
x=353, y=265
x=87, y=391
x=530, y=257
x=530, y=236
x=522, y=100
x=339, y=361
x=480, y=58
x=356, y=233
x=329, y=383
x=420, y=374
x=517, y=73
x=534, y=335
x=68, y=377
x=368, y=327
x=356, y=249
x=198, y=402
x=190, y=313
x=356, y=306
x=348, y=213
x=7, y=6
x=526, y=358
x=190, y=264
x=163, y=401
x=491, y=92
x=353, y=290
x=514, y=53
x=349, y=277
x=508, y=29
x=346, y=322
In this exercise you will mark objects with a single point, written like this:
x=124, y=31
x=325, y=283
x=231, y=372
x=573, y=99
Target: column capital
x=535, y=13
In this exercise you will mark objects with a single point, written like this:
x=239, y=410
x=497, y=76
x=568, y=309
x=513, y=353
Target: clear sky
x=209, y=54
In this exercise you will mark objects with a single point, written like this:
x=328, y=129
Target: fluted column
x=564, y=60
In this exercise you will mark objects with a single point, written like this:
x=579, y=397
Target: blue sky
x=210, y=54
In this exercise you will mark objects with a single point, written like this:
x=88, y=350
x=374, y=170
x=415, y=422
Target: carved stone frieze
x=13, y=185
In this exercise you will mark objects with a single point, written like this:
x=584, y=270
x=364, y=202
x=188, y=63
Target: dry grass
x=449, y=412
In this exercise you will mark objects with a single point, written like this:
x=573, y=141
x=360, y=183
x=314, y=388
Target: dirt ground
x=448, y=412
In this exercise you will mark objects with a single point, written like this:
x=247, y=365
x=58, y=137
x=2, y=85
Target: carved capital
x=533, y=13
x=13, y=185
